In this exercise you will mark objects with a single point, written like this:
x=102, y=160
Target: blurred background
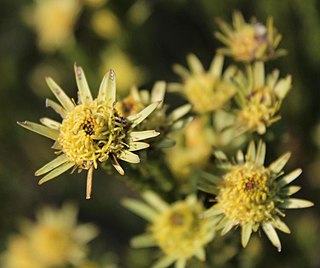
x=141, y=40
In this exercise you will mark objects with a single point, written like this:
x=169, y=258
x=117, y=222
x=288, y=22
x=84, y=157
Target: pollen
x=90, y=133
x=248, y=189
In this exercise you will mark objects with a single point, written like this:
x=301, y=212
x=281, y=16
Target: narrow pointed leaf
x=129, y=157
x=261, y=153
x=155, y=201
x=50, y=123
x=272, y=235
x=111, y=87
x=116, y=165
x=40, y=129
x=56, y=107
x=227, y=227
x=179, y=112
x=60, y=95
x=278, y=165
x=140, y=209
x=83, y=87
x=213, y=211
x=282, y=87
x=135, y=146
x=182, y=71
x=158, y=92
x=136, y=119
x=52, y=165
x=102, y=95
x=164, y=262
x=290, y=190
x=200, y=254
x=246, y=232
x=216, y=66
x=180, y=263
x=56, y=172
x=141, y=135
x=290, y=177
x=142, y=241
x=194, y=64
x=293, y=203
x=280, y=225
x=251, y=152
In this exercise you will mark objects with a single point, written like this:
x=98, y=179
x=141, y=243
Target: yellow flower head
x=206, y=91
x=54, y=21
x=249, y=41
x=92, y=131
x=54, y=240
x=252, y=195
x=177, y=229
x=105, y=23
x=159, y=120
x=260, y=98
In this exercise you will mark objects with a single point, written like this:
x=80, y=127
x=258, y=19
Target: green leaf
x=52, y=165
x=164, y=262
x=50, y=123
x=142, y=241
x=261, y=153
x=272, y=235
x=278, y=164
x=246, y=231
x=158, y=91
x=155, y=201
x=290, y=177
x=139, y=208
x=40, y=129
x=129, y=157
x=136, y=119
x=142, y=135
x=258, y=75
x=216, y=66
x=136, y=146
x=293, y=203
x=60, y=95
x=56, y=172
x=194, y=64
x=83, y=87
x=56, y=107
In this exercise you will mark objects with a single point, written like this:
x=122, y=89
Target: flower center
x=246, y=194
x=90, y=133
x=207, y=93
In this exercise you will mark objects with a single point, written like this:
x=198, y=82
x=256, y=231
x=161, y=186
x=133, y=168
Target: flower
x=54, y=240
x=206, y=91
x=92, y=131
x=249, y=41
x=159, y=120
x=260, y=98
x=105, y=23
x=53, y=21
x=177, y=228
x=251, y=195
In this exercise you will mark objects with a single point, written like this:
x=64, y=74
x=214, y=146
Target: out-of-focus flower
x=177, y=228
x=92, y=131
x=105, y=23
x=54, y=240
x=249, y=41
x=53, y=21
x=128, y=73
x=251, y=195
x=158, y=120
x=95, y=3
x=260, y=97
x=192, y=149
x=206, y=91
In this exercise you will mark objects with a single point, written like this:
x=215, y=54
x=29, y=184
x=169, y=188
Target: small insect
x=121, y=120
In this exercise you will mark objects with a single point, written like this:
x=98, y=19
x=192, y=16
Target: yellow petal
x=52, y=165
x=40, y=129
x=83, y=87
x=56, y=172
